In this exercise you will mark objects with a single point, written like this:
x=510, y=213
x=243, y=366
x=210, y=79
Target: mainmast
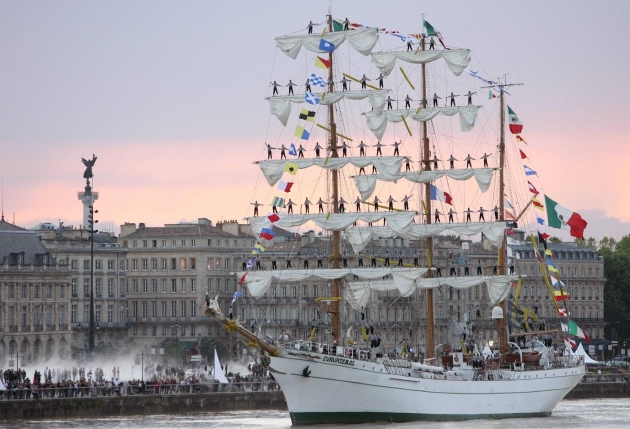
x=336, y=289
x=426, y=163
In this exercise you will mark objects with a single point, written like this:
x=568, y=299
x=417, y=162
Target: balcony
x=63, y=327
x=13, y=329
x=50, y=328
x=38, y=328
x=25, y=328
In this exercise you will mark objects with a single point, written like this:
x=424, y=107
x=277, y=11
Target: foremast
x=336, y=255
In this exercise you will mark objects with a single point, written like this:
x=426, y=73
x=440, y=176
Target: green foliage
x=207, y=346
x=555, y=240
x=617, y=287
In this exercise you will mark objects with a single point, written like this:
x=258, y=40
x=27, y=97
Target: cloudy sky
x=170, y=97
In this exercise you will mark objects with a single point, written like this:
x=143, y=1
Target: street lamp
x=91, y=223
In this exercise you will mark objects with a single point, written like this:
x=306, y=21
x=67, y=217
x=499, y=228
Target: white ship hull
x=341, y=390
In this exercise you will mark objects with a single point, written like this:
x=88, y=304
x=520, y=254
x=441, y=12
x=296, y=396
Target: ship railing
x=329, y=349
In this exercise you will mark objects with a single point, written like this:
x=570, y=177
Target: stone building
x=34, y=300
x=73, y=247
x=168, y=271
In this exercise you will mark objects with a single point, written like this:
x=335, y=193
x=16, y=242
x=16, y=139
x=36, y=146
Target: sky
x=170, y=98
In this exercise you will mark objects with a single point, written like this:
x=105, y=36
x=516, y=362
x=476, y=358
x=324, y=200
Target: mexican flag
x=577, y=332
x=516, y=126
x=562, y=218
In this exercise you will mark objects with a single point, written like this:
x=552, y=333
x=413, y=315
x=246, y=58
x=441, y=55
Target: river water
x=592, y=413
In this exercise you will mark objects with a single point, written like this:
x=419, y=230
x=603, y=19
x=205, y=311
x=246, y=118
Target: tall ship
x=347, y=371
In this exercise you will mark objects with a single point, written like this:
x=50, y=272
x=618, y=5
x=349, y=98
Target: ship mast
x=503, y=333
x=336, y=289
x=426, y=163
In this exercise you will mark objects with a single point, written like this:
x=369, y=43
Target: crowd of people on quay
x=157, y=379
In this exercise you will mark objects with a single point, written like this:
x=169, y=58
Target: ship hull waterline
x=343, y=390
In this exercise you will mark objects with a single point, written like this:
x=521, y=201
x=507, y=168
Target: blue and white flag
x=317, y=81
x=292, y=150
x=529, y=171
x=326, y=46
x=236, y=294
x=250, y=263
x=310, y=98
x=540, y=220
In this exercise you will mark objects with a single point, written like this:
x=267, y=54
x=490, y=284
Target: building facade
x=34, y=300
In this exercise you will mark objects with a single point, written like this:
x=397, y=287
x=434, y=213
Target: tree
x=555, y=240
x=617, y=295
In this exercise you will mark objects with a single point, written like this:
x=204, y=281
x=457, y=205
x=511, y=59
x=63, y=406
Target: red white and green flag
x=516, y=126
x=576, y=331
x=562, y=218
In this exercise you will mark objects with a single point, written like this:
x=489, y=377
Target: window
x=62, y=292
x=226, y=287
x=183, y=305
x=73, y=314
x=193, y=263
x=97, y=265
x=135, y=243
x=154, y=264
x=134, y=264
x=164, y=330
x=144, y=309
x=273, y=292
x=209, y=242
x=164, y=264
x=209, y=285
x=173, y=264
x=183, y=243
x=192, y=330
x=86, y=313
x=122, y=265
x=163, y=305
x=163, y=243
x=193, y=243
x=86, y=287
x=111, y=287
x=193, y=285
x=144, y=243
x=154, y=286
x=182, y=263
x=36, y=293
x=284, y=292
x=173, y=308
x=99, y=289
x=173, y=243
x=227, y=264
x=145, y=264
x=134, y=309
x=110, y=313
x=154, y=243
x=315, y=291
x=305, y=291
x=145, y=286
x=74, y=264
x=173, y=285
x=86, y=264
x=193, y=309
x=294, y=292
x=110, y=265
x=97, y=314
x=163, y=285
x=218, y=264
x=183, y=285
x=154, y=309
x=210, y=263
x=227, y=243
x=134, y=284
x=122, y=287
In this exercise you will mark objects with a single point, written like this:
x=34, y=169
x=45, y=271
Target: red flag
x=523, y=156
x=532, y=188
x=570, y=342
x=544, y=235
x=273, y=217
x=520, y=139
x=240, y=283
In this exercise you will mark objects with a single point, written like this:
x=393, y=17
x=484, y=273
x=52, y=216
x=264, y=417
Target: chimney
x=127, y=229
x=141, y=225
x=230, y=227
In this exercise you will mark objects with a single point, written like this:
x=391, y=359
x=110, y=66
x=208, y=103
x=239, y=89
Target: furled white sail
x=377, y=119
x=281, y=104
x=360, y=237
x=362, y=40
x=388, y=166
x=367, y=183
x=398, y=221
x=456, y=59
x=258, y=282
x=498, y=287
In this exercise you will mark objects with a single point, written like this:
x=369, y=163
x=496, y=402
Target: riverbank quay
x=103, y=403
x=139, y=404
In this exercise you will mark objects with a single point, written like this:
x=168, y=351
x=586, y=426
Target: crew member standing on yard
x=307, y=204
x=405, y=202
x=346, y=23
x=344, y=82
x=308, y=85
x=364, y=80
x=378, y=147
x=310, y=27
x=290, y=206
x=470, y=94
x=468, y=161
x=358, y=203
x=380, y=80
x=452, y=160
x=290, y=85
x=452, y=97
x=320, y=204
x=468, y=212
x=485, y=159
x=362, y=147
x=301, y=152
x=376, y=202
x=275, y=88
x=390, y=202
x=408, y=101
x=435, y=99
x=317, y=149
x=481, y=211
x=269, y=149
x=396, y=151
x=450, y=215
x=437, y=216
x=342, y=205
x=256, y=205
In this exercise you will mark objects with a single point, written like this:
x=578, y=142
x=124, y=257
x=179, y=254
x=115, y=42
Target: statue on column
x=89, y=163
